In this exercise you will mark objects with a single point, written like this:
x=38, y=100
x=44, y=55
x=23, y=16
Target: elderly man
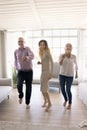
x=23, y=63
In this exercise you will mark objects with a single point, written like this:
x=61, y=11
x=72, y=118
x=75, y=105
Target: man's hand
x=24, y=58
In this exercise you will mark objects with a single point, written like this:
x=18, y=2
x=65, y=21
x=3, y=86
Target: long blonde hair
x=46, y=47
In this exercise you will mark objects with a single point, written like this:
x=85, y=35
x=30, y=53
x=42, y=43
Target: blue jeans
x=65, y=84
x=26, y=76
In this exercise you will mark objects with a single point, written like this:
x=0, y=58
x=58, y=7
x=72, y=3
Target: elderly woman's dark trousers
x=65, y=84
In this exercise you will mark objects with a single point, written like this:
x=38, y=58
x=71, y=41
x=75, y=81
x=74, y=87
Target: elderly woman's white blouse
x=69, y=65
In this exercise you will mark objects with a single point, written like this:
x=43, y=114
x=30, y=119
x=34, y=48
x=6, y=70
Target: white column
x=2, y=55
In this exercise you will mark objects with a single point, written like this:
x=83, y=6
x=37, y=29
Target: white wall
x=82, y=54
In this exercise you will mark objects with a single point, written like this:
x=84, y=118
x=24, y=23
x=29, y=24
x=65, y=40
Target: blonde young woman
x=67, y=63
x=47, y=68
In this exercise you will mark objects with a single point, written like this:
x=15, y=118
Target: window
x=56, y=39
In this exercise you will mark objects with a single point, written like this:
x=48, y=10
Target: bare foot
x=64, y=104
x=20, y=100
x=48, y=107
x=69, y=106
x=44, y=105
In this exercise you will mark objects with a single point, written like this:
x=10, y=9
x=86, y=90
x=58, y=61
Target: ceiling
x=42, y=14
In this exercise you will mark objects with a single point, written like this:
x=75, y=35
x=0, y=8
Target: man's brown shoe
x=20, y=100
x=27, y=107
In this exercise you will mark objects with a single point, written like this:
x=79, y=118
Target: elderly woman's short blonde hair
x=69, y=44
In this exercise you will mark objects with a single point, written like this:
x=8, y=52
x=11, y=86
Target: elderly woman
x=67, y=62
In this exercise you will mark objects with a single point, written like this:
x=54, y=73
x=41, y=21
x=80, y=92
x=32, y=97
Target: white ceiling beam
x=35, y=13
